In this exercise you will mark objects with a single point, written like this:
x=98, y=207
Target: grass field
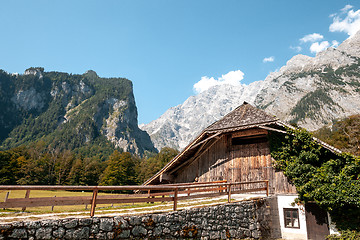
x=7, y=215
x=42, y=193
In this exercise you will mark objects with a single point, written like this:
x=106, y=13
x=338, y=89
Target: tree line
x=32, y=165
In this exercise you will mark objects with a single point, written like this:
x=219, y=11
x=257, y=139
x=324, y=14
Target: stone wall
x=247, y=219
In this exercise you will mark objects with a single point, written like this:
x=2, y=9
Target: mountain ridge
x=69, y=111
x=309, y=91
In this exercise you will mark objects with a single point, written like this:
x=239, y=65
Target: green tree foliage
x=331, y=180
x=345, y=235
x=36, y=166
x=344, y=134
x=120, y=170
x=9, y=167
x=154, y=163
x=83, y=99
x=85, y=172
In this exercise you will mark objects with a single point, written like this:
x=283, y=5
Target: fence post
x=27, y=194
x=93, y=202
x=6, y=197
x=229, y=192
x=52, y=207
x=175, y=198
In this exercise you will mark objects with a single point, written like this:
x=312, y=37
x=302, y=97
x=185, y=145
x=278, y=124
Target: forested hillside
x=60, y=128
x=344, y=134
x=35, y=166
x=69, y=112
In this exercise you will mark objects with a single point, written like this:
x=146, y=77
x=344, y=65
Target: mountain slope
x=309, y=91
x=69, y=111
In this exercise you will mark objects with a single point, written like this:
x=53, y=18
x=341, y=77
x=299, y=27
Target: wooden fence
x=153, y=193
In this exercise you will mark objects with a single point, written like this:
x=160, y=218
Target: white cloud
x=269, y=59
x=318, y=47
x=346, y=8
x=231, y=78
x=296, y=48
x=334, y=43
x=350, y=24
x=312, y=38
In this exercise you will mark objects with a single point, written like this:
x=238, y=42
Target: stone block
x=232, y=233
x=5, y=226
x=82, y=233
x=44, y=233
x=106, y=224
x=134, y=220
x=166, y=231
x=101, y=235
x=157, y=231
x=124, y=234
x=18, y=224
x=214, y=235
x=255, y=234
x=71, y=223
x=121, y=223
x=35, y=224
x=48, y=223
x=59, y=233
x=139, y=231
x=18, y=233
x=31, y=231
x=110, y=235
x=94, y=229
x=69, y=234
x=85, y=221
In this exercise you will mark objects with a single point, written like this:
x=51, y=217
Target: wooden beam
x=174, y=160
x=273, y=129
x=93, y=203
x=205, y=140
x=175, y=198
x=194, y=156
x=249, y=132
x=229, y=193
x=27, y=194
x=249, y=190
x=166, y=177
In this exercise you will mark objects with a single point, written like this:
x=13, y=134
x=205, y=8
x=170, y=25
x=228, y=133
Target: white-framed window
x=291, y=218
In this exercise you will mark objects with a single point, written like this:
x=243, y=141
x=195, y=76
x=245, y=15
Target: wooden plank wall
x=238, y=163
x=208, y=167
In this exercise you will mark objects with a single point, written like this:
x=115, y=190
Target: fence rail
x=155, y=193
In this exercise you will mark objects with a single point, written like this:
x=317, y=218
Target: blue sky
x=165, y=47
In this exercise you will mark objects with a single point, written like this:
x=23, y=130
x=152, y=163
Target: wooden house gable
x=235, y=149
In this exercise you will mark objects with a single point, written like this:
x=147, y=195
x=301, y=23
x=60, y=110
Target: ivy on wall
x=319, y=175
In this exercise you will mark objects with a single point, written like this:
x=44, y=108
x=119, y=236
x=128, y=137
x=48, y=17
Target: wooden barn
x=236, y=149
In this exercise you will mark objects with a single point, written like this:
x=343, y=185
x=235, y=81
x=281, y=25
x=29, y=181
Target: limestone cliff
x=69, y=111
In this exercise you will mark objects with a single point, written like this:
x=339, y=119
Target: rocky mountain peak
x=70, y=111
x=91, y=74
x=36, y=71
x=351, y=45
x=309, y=91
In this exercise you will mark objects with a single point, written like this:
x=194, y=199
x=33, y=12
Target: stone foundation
x=248, y=219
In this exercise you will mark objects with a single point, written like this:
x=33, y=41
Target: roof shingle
x=243, y=115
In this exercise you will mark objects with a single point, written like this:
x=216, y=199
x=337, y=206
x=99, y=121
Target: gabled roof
x=243, y=117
